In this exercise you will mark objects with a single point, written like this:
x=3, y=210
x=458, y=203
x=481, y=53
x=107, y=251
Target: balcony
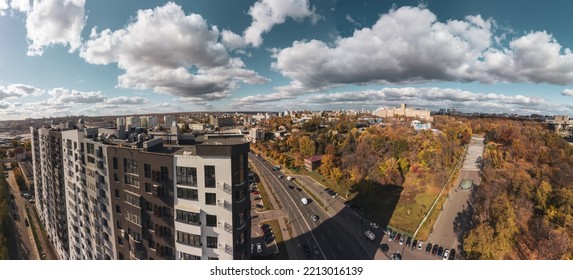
x=228, y=227
x=229, y=249
x=225, y=187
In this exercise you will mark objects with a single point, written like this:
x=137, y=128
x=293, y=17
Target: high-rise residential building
x=88, y=196
x=152, y=121
x=49, y=185
x=212, y=201
x=168, y=120
x=141, y=197
x=221, y=121
x=134, y=121
x=120, y=121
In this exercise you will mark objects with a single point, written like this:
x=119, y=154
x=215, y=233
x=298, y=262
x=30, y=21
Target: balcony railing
x=228, y=227
x=228, y=249
x=225, y=187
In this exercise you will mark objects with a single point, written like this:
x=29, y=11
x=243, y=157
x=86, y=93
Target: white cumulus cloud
x=67, y=96
x=54, y=22
x=567, y=92
x=410, y=45
x=18, y=90
x=170, y=52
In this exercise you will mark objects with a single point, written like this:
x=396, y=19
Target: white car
x=446, y=254
x=259, y=248
x=420, y=245
x=252, y=247
x=370, y=235
x=314, y=217
x=374, y=225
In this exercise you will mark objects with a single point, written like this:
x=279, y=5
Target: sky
x=84, y=57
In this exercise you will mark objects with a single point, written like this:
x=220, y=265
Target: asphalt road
x=22, y=235
x=333, y=241
x=455, y=215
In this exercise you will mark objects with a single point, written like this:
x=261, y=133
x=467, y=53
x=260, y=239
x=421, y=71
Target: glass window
x=164, y=173
x=189, y=194
x=130, y=165
x=185, y=256
x=132, y=181
x=147, y=170
x=132, y=199
x=210, y=198
x=189, y=239
x=133, y=217
x=186, y=176
x=187, y=217
x=238, y=167
x=209, y=176
x=211, y=220
x=115, y=163
x=211, y=242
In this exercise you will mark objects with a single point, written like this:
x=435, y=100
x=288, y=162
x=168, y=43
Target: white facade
x=87, y=198
x=168, y=120
x=222, y=209
x=256, y=134
x=134, y=121
x=120, y=121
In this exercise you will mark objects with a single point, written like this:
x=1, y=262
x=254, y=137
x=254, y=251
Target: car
x=374, y=225
x=259, y=248
x=435, y=249
x=334, y=194
x=316, y=250
x=388, y=230
x=408, y=241
x=401, y=240
x=397, y=238
x=314, y=217
x=306, y=250
x=290, y=178
x=327, y=189
x=260, y=206
x=414, y=244
x=269, y=238
x=291, y=187
x=391, y=236
x=428, y=248
x=281, y=176
x=252, y=248
x=256, y=192
x=258, y=198
x=420, y=243
x=396, y=256
x=446, y=254
x=384, y=247
x=265, y=226
x=440, y=251
x=31, y=201
x=266, y=230
x=298, y=189
x=26, y=222
x=370, y=235
x=452, y=255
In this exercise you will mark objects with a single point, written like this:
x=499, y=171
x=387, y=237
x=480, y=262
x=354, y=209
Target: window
x=151, y=244
x=210, y=198
x=213, y=258
x=120, y=241
x=133, y=217
x=189, y=194
x=148, y=187
x=186, y=176
x=130, y=165
x=238, y=167
x=189, y=239
x=132, y=181
x=90, y=148
x=117, y=209
x=91, y=159
x=118, y=224
x=115, y=164
x=164, y=173
x=209, y=176
x=211, y=242
x=147, y=170
x=211, y=220
x=119, y=256
x=187, y=217
x=132, y=199
x=185, y=256
x=148, y=206
x=115, y=177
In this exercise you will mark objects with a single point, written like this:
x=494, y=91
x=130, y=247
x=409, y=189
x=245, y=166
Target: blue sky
x=123, y=57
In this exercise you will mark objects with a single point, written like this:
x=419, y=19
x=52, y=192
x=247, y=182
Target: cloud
x=53, y=22
x=410, y=45
x=352, y=20
x=18, y=90
x=67, y=96
x=265, y=14
x=19, y=5
x=567, y=92
x=3, y=7
x=4, y=105
x=170, y=52
x=127, y=100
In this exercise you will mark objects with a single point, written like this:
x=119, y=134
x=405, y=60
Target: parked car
x=397, y=238
x=259, y=248
x=388, y=230
x=374, y=225
x=392, y=235
x=370, y=235
x=384, y=247
x=440, y=251
x=452, y=255
x=291, y=187
x=401, y=240
x=435, y=249
x=396, y=256
x=428, y=248
x=252, y=248
x=408, y=241
x=446, y=254
x=420, y=245
x=269, y=238
x=414, y=244
x=314, y=217
x=265, y=226
x=298, y=189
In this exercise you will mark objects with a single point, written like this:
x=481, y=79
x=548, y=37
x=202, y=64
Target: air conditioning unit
x=122, y=232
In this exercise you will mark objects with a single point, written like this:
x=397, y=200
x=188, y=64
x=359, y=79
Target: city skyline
x=87, y=58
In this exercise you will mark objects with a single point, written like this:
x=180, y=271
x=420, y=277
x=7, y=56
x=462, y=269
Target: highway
x=334, y=241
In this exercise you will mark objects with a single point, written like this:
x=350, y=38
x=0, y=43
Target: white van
x=304, y=200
